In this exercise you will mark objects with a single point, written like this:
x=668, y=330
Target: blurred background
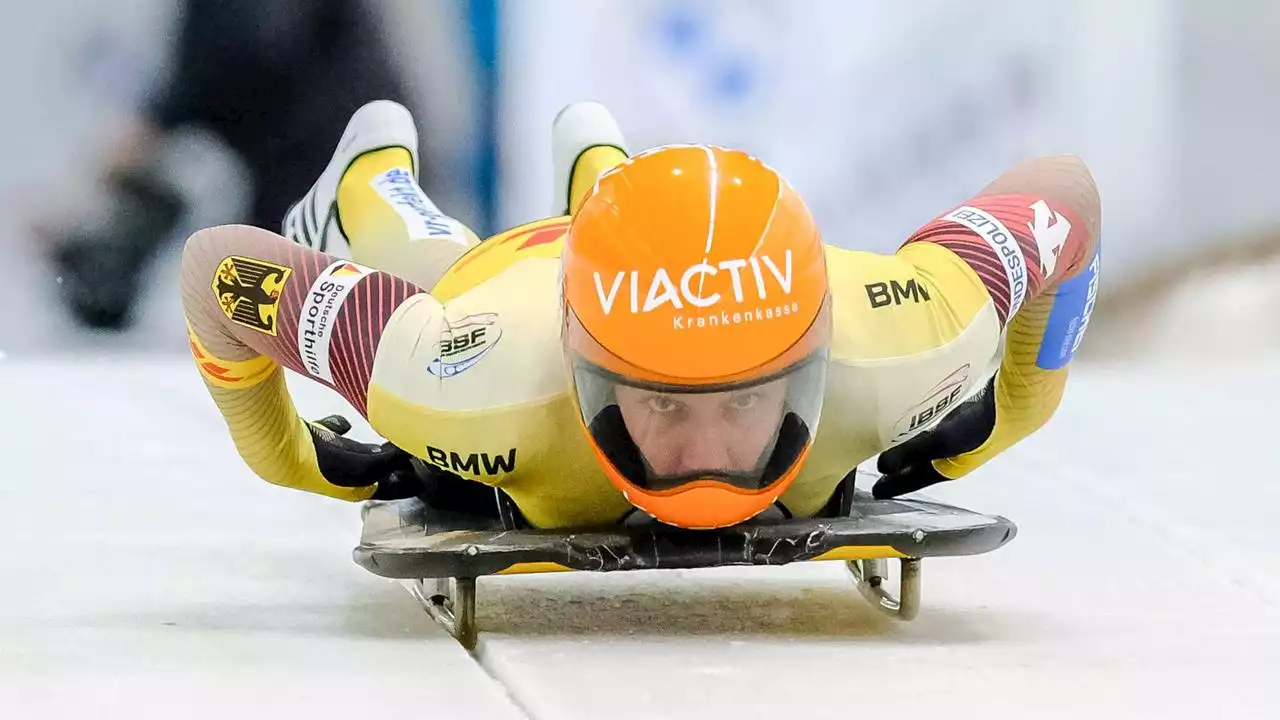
x=132, y=123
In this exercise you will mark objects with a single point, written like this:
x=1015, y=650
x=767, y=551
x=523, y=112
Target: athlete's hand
x=350, y=463
x=910, y=466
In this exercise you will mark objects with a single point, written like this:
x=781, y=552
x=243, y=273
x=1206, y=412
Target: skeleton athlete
x=677, y=342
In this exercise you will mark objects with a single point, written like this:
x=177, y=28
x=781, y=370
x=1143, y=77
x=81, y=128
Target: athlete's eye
x=662, y=404
x=743, y=401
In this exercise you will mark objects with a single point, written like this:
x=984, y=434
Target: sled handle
x=870, y=576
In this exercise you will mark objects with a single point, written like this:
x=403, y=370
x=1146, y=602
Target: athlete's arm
x=256, y=303
x=1031, y=238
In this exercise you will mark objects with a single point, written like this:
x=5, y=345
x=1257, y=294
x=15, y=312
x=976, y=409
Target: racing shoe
x=313, y=220
x=585, y=142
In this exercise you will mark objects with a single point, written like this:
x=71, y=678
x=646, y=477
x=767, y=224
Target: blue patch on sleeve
x=1069, y=316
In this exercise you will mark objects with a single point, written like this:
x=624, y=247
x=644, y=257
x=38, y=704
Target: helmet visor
x=661, y=437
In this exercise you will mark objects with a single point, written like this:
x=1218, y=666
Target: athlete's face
x=679, y=433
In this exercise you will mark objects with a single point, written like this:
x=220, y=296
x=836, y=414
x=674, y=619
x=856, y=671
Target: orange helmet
x=697, y=321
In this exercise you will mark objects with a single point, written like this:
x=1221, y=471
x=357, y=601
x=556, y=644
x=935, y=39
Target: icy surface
x=145, y=574
x=146, y=571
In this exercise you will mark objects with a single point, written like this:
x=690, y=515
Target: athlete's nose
x=709, y=448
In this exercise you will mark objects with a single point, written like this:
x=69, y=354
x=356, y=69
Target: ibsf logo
x=751, y=282
x=942, y=397
x=465, y=344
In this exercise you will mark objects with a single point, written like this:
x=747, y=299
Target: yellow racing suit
x=468, y=373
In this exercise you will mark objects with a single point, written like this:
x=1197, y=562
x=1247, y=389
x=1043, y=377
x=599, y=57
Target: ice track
x=146, y=573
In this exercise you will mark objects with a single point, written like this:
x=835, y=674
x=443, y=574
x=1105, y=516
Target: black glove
x=909, y=467
x=350, y=463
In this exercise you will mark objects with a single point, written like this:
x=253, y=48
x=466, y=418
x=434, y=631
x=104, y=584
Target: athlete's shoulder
x=542, y=238
x=914, y=301
x=869, y=272
x=485, y=346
